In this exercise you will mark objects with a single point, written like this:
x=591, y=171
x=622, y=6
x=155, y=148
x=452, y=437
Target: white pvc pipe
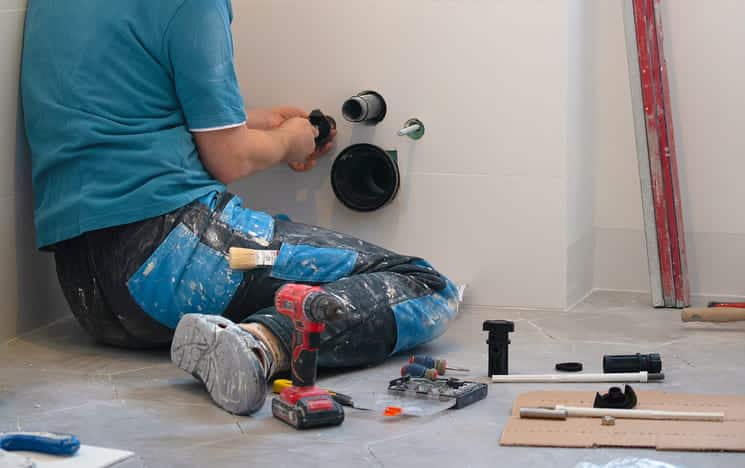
x=562, y=412
x=579, y=412
x=577, y=378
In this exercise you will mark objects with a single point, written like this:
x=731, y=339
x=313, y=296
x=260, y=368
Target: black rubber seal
x=383, y=112
x=569, y=366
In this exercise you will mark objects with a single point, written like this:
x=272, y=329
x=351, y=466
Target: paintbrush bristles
x=248, y=259
x=242, y=259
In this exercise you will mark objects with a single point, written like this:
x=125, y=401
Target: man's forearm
x=235, y=153
x=264, y=149
x=262, y=119
x=267, y=119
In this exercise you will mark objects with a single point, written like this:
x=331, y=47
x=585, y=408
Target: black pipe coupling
x=325, y=124
x=651, y=363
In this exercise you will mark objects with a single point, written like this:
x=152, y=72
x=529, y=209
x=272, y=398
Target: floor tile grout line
x=124, y=372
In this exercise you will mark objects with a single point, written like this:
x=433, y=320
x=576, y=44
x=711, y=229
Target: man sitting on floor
x=136, y=124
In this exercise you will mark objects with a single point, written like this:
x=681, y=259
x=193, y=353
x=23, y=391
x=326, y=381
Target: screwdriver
x=419, y=371
x=440, y=365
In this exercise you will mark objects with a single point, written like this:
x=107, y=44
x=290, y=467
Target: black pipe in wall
x=365, y=177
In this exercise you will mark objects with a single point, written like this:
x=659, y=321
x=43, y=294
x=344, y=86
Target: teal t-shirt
x=111, y=93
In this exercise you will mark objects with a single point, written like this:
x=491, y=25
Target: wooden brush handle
x=713, y=314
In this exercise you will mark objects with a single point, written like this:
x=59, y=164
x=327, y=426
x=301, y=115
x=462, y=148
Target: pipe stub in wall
x=365, y=177
x=367, y=106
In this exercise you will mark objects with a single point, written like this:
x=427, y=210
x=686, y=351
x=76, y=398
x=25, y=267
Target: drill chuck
x=323, y=307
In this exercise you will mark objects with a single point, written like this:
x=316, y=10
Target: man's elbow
x=229, y=173
x=223, y=176
x=224, y=179
x=222, y=153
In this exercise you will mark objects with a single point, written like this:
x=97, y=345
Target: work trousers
x=130, y=285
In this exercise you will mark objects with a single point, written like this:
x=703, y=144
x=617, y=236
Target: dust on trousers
x=129, y=285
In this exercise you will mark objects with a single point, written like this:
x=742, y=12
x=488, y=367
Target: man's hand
x=233, y=153
x=300, y=139
x=268, y=119
x=311, y=161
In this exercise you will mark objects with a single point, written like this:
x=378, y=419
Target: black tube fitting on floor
x=616, y=398
x=499, y=341
x=651, y=363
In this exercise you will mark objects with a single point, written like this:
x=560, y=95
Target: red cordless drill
x=304, y=405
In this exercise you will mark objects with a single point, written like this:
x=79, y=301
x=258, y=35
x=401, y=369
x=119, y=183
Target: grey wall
x=29, y=295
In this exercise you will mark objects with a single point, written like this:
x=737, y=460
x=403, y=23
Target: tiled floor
x=55, y=380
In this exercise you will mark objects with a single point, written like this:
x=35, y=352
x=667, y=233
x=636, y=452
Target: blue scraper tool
x=40, y=442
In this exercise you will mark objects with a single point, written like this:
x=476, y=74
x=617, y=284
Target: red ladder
x=658, y=167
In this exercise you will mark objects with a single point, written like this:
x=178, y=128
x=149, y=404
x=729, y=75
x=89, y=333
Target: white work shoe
x=230, y=361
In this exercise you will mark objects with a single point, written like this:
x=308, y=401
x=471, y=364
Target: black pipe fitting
x=498, y=342
x=367, y=106
x=324, y=124
x=651, y=363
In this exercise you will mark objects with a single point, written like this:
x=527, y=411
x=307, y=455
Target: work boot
x=233, y=364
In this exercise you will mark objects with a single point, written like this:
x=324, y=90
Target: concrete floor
x=55, y=380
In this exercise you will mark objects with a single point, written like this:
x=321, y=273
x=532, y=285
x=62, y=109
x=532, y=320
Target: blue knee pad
x=425, y=318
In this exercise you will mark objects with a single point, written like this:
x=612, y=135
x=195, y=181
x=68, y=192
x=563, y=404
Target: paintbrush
x=248, y=259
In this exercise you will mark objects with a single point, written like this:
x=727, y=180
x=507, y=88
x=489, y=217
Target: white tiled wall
x=484, y=193
x=29, y=295
x=525, y=185
x=581, y=149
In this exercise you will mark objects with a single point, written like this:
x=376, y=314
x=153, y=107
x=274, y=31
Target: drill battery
x=307, y=407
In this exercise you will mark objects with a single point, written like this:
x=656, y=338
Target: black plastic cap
x=499, y=326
